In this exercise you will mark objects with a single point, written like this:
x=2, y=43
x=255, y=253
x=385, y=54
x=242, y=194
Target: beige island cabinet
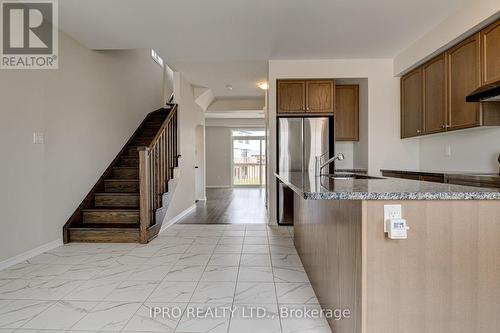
x=445, y=277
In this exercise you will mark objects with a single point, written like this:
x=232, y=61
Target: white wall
x=236, y=122
x=473, y=150
x=200, y=160
x=88, y=109
x=361, y=146
x=346, y=148
x=218, y=148
x=236, y=104
x=168, y=85
x=385, y=149
x=189, y=117
x=474, y=15
x=356, y=153
x=218, y=156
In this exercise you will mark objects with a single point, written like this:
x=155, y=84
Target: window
x=249, y=157
x=156, y=57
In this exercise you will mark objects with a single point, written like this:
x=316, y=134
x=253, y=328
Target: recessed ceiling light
x=229, y=87
x=263, y=85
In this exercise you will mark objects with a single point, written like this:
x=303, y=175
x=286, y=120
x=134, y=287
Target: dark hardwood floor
x=230, y=206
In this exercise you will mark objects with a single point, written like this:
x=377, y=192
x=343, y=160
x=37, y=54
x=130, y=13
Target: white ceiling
x=219, y=42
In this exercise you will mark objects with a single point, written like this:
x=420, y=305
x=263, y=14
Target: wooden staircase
x=122, y=205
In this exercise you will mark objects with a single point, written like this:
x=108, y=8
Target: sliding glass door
x=248, y=158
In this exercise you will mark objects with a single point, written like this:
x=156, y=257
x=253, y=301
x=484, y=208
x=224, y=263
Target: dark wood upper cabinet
x=347, y=112
x=445, y=82
x=411, y=104
x=291, y=96
x=464, y=76
x=434, y=95
x=490, y=53
x=320, y=96
x=306, y=96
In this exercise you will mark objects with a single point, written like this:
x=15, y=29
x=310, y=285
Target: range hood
x=487, y=93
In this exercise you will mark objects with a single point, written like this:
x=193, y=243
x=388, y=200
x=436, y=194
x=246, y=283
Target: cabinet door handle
x=307, y=109
x=419, y=131
x=443, y=127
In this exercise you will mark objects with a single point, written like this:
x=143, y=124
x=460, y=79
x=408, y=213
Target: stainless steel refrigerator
x=300, y=140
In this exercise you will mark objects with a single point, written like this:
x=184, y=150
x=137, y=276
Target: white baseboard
x=30, y=254
x=177, y=218
x=202, y=199
x=218, y=186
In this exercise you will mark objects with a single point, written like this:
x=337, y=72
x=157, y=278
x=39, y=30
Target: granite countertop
x=325, y=188
x=355, y=170
x=444, y=173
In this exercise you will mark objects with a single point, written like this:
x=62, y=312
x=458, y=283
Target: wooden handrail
x=172, y=113
x=156, y=168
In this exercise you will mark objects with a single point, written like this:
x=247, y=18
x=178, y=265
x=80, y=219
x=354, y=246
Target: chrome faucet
x=320, y=166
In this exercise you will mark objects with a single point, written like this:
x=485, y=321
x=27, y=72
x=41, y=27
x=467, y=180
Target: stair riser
x=153, y=125
x=149, y=132
x=121, y=187
x=117, y=201
x=111, y=217
x=133, y=152
x=130, y=161
x=143, y=141
x=125, y=173
x=156, y=119
x=103, y=236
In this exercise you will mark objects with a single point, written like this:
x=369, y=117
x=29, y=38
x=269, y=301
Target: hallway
x=230, y=206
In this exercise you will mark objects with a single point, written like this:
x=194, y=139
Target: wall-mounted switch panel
x=391, y=212
x=394, y=225
x=38, y=138
x=397, y=229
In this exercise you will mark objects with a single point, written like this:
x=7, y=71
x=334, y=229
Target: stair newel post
x=144, y=191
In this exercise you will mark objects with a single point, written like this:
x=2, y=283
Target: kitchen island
x=445, y=277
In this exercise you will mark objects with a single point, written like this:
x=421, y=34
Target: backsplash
x=474, y=150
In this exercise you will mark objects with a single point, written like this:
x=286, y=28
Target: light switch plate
x=447, y=151
x=391, y=212
x=38, y=138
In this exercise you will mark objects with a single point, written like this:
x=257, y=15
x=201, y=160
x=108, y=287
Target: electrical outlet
x=38, y=138
x=391, y=212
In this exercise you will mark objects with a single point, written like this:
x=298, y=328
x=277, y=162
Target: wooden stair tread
x=98, y=234
x=117, y=194
x=121, y=180
x=104, y=226
x=111, y=208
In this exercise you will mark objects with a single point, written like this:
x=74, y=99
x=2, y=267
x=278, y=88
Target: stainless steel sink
x=351, y=176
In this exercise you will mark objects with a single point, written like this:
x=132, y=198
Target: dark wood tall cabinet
x=464, y=76
x=490, y=53
x=347, y=112
x=411, y=104
x=434, y=95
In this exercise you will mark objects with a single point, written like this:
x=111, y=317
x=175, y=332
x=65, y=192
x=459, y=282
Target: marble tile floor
x=199, y=274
